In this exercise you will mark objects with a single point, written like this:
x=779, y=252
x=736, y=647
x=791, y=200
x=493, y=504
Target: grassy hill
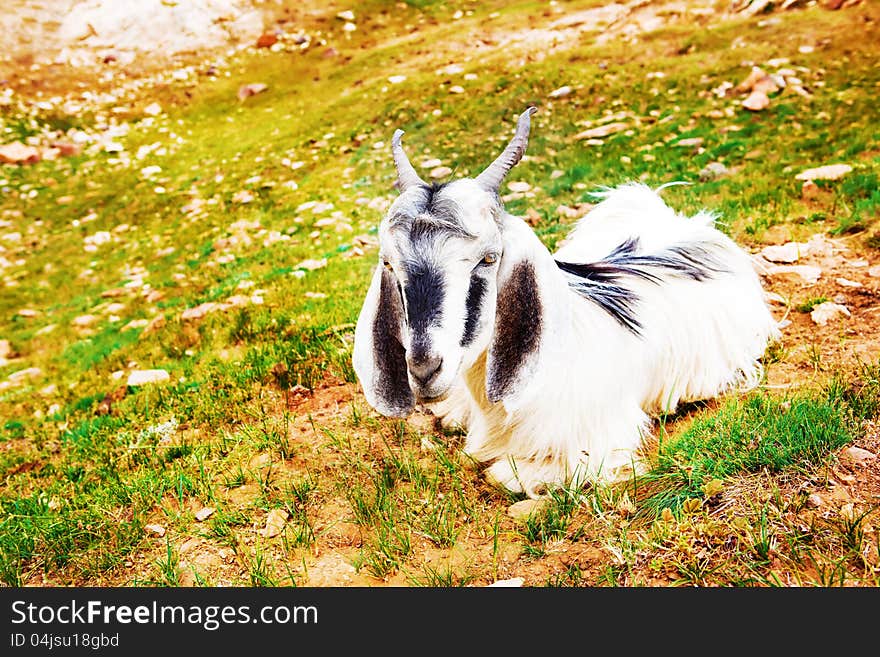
x=225, y=234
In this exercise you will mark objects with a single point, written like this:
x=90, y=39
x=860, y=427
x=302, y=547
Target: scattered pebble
x=275, y=522
x=826, y=311
x=524, y=509
x=157, y=530
x=512, y=582
x=144, y=377
x=827, y=172
x=204, y=513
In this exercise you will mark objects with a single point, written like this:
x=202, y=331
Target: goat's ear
x=379, y=357
x=517, y=337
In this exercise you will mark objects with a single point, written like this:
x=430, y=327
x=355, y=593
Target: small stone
x=18, y=153
x=826, y=311
x=809, y=190
x=857, y=455
x=456, y=89
x=267, y=40
x=815, y=500
x=789, y=252
x=804, y=273
x=518, y=186
x=27, y=312
x=874, y=272
x=204, y=513
x=153, y=109
x=158, y=530
x=198, y=311
x=440, y=172
x=756, y=101
x=275, y=522
x=397, y=79
x=114, y=292
x=347, y=15
x=144, y=377
x=431, y=163
x=524, y=509
x=84, y=320
x=602, y=131
x=562, y=92
x=690, y=142
x=845, y=282
x=28, y=373
x=247, y=90
x=512, y=582
x=827, y=172
x=712, y=171
x=6, y=350
x=312, y=265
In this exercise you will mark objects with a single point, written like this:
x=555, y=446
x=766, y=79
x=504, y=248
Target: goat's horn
x=491, y=178
x=406, y=174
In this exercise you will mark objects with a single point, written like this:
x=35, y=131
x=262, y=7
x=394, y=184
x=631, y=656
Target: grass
x=261, y=409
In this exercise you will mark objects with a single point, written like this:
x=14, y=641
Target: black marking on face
x=425, y=290
x=476, y=292
x=392, y=385
x=601, y=282
x=518, y=322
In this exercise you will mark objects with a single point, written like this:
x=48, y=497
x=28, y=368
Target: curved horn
x=406, y=174
x=491, y=178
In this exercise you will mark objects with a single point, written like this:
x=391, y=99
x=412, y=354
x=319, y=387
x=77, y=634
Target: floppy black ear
x=379, y=357
x=519, y=322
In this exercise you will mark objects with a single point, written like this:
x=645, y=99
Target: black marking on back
x=518, y=323
x=601, y=282
x=392, y=385
x=476, y=292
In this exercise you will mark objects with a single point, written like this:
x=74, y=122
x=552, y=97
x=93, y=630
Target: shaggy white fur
x=554, y=370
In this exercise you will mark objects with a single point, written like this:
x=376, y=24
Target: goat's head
x=430, y=309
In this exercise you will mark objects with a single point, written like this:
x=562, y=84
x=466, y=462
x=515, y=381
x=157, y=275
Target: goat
x=553, y=363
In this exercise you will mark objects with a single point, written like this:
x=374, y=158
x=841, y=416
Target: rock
x=347, y=15
x=431, y=163
x=312, y=265
x=456, y=89
x=252, y=89
x=153, y=109
x=602, y=131
x=6, y=350
x=826, y=311
x=789, y=252
x=857, y=455
x=756, y=101
x=266, y=40
x=114, y=292
x=874, y=272
x=440, y=172
x=157, y=530
x=144, y=377
x=84, y=320
x=28, y=373
x=27, y=312
x=204, y=513
x=827, y=172
x=135, y=324
x=199, y=311
x=809, y=190
x=518, y=186
x=512, y=582
x=815, y=500
x=562, y=92
x=18, y=153
x=713, y=170
x=275, y=522
x=690, y=142
x=397, y=79
x=524, y=509
x=845, y=282
x=804, y=273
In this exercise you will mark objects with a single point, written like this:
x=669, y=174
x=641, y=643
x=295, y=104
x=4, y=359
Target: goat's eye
x=489, y=259
x=387, y=265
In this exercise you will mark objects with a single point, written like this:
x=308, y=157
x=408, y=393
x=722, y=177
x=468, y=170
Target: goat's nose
x=424, y=369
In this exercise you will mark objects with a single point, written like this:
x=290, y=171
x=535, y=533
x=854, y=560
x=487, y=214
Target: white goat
x=552, y=362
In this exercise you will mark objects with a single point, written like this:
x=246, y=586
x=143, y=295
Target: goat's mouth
x=431, y=399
